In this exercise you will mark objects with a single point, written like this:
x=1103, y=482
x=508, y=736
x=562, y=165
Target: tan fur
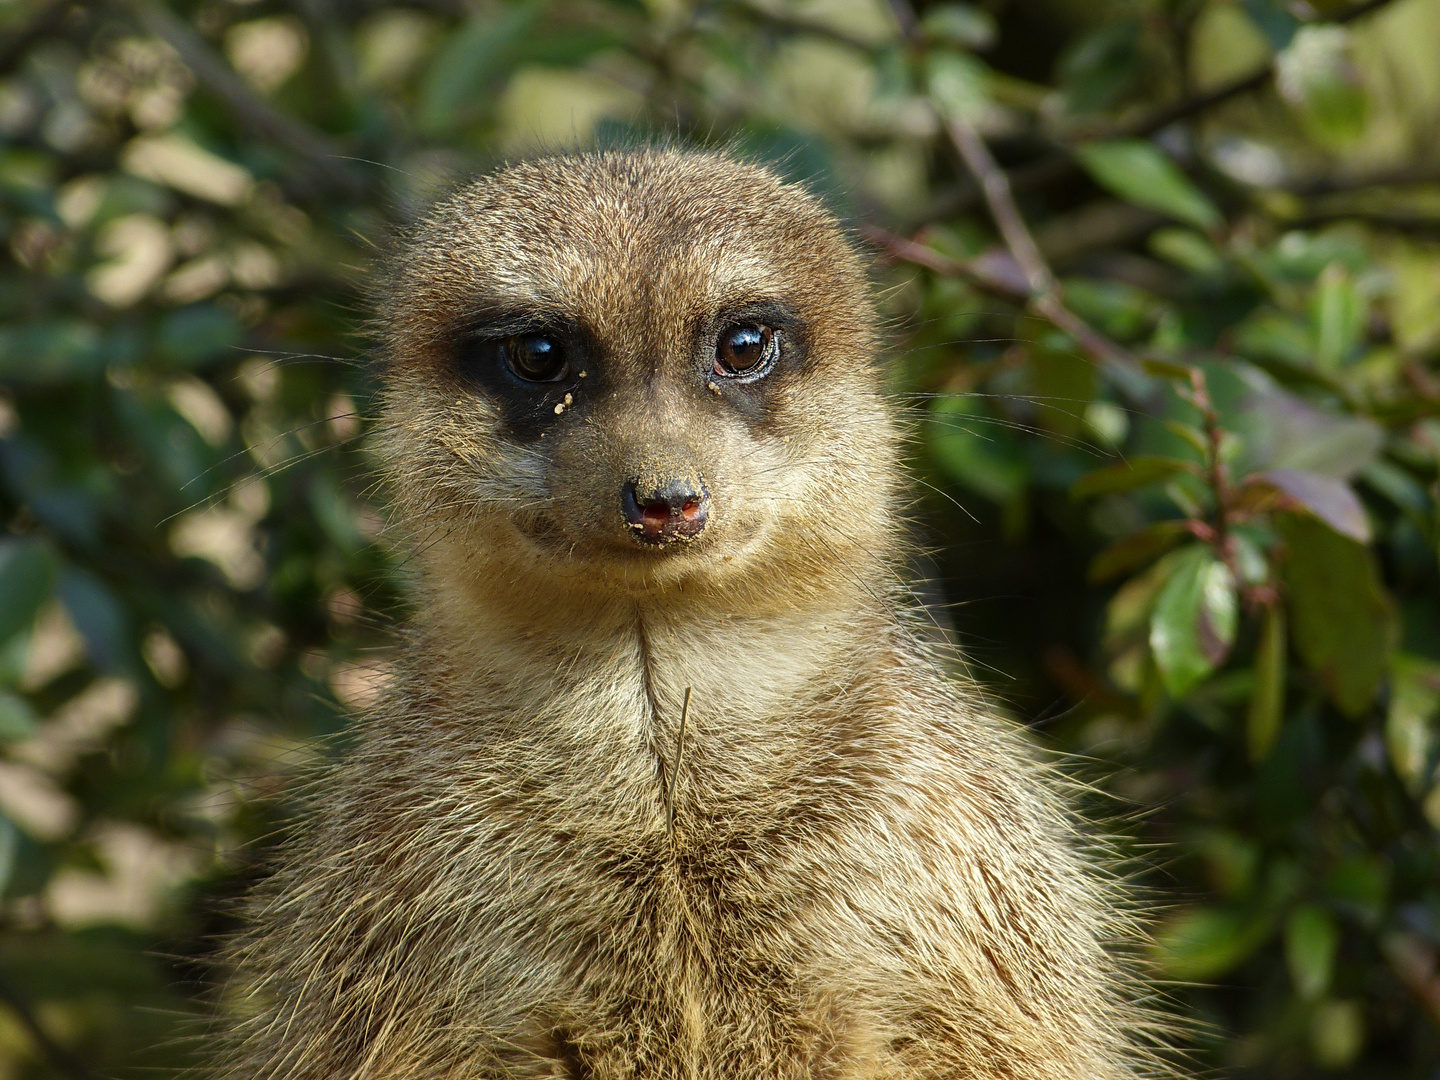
x=868, y=876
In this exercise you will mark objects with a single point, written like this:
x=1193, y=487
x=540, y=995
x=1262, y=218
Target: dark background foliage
x=1174, y=385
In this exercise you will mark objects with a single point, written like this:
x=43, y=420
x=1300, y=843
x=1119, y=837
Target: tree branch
x=1061, y=165
x=998, y=272
x=1164, y=117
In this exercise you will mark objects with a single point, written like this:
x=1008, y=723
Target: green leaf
x=1277, y=24
x=1411, y=733
x=1139, y=173
x=50, y=351
x=1338, y=312
x=1193, y=625
x=1188, y=250
x=975, y=451
x=1337, y=1033
x=959, y=24
x=1317, y=77
x=1098, y=68
x=1137, y=549
x=1359, y=886
x=1267, y=694
x=1063, y=384
x=27, y=574
x=1232, y=861
x=476, y=53
x=1311, y=941
x=1204, y=943
x=957, y=83
x=9, y=848
x=1127, y=476
x=17, y=719
x=100, y=618
x=1343, y=621
x=1279, y=339
x=197, y=335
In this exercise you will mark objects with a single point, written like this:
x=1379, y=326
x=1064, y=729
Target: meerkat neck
x=526, y=641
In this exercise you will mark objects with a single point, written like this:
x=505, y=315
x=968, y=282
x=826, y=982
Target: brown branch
x=323, y=159
x=998, y=272
x=1043, y=297
x=1163, y=118
x=1040, y=289
x=1417, y=967
x=995, y=187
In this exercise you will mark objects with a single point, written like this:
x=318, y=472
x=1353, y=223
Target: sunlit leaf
x=1343, y=621
x=1205, y=943
x=1338, y=312
x=1412, y=723
x=1337, y=1033
x=1193, y=625
x=1317, y=76
x=1311, y=939
x=959, y=24
x=1139, y=173
x=957, y=83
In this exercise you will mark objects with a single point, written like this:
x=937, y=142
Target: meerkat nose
x=660, y=513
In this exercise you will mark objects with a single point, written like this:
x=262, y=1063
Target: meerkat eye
x=746, y=350
x=534, y=357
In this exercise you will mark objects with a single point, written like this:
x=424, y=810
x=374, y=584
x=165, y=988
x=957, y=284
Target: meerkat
x=667, y=784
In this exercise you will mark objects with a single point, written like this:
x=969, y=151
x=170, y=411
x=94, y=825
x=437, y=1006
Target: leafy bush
x=1166, y=309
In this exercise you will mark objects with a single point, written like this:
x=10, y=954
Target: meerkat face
x=636, y=368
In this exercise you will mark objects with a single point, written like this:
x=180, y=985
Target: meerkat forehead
x=601, y=236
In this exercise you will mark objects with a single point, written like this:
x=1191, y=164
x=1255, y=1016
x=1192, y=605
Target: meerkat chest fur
x=665, y=786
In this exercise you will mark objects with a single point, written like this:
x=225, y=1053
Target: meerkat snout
x=677, y=509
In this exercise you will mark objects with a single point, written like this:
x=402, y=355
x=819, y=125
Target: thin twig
x=1000, y=274
x=1164, y=117
x=1041, y=291
x=322, y=157
x=1061, y=165
x=1000, y=200
x=1417, y=967
x=675, y=769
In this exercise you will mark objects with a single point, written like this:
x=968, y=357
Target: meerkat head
x=636, y=370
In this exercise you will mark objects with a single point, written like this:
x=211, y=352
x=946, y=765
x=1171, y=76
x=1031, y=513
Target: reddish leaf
x=1329, y=499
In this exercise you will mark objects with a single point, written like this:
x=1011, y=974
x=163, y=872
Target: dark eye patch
x=527, y=364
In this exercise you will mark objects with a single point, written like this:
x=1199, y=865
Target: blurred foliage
x=1209, y=567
